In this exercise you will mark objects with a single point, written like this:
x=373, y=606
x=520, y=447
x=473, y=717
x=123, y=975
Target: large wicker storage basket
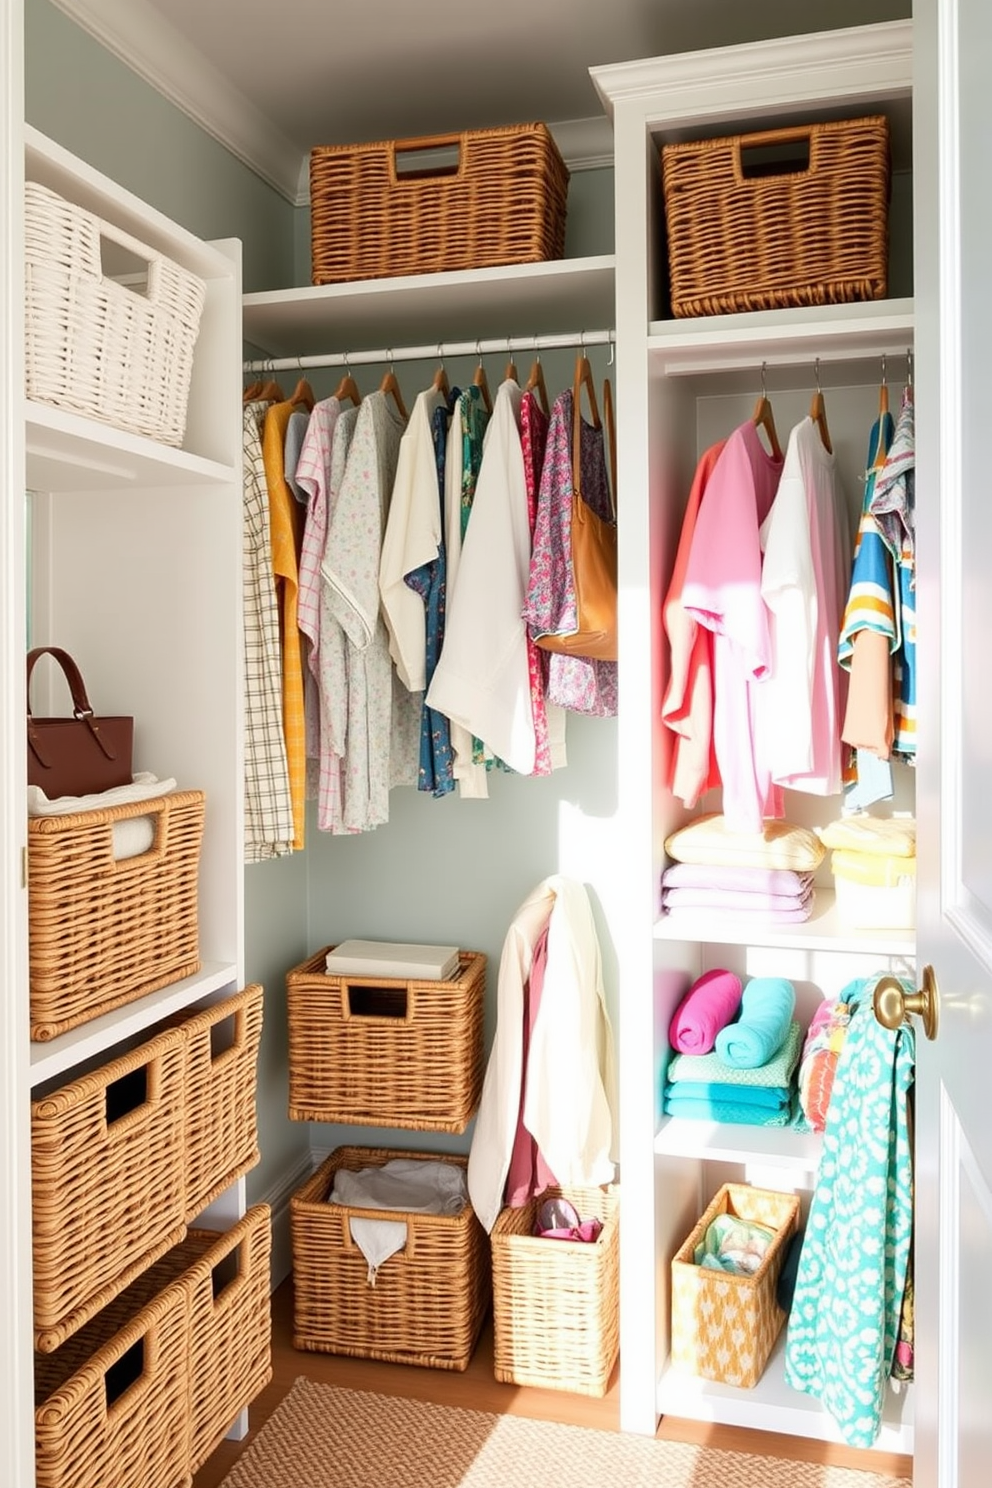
x=724, y=1326
x=429, y=1300
x=192, y=1335
x=556, y=1319
x=108, y=1152
x=381, y=1051
x=812, y=236
x=222, y=1043
x=504, y=202
x=115, y=352
x=104, y=930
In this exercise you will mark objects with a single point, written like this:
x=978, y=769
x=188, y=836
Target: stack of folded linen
x=768, y=876
x=747, y=1077
x=818, y=1061
x=873, y=861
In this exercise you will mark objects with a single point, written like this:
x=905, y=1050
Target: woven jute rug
x=322, y=1436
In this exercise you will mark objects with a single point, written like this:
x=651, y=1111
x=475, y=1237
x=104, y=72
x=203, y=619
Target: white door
x=953, y=186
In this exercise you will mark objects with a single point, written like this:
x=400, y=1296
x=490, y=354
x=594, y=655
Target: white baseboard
x=277, y=1198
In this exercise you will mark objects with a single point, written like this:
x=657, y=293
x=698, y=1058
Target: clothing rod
x=435, y=351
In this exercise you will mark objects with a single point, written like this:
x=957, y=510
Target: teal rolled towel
x=767, y=1006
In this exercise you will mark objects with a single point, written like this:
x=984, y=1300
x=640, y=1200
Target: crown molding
x=146, y=43
x=138, y=35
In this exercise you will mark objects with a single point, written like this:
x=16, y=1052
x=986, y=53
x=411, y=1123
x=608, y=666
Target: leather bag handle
x=80, y=702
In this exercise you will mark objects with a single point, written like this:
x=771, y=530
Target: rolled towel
x=709, y=1005
x=767, y=1006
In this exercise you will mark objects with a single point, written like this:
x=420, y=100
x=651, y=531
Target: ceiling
x=319, y=72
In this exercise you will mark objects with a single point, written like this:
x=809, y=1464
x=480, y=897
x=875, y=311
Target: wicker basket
x=96, y=346
x=502, y=200
x=725, y=1326
x=429, y=1300
x=556, y=1319
x=220, y=1114
x=108, y=1153
x=104, y=930
x=814, y=236
x=203, y=1314
x=380, y=1051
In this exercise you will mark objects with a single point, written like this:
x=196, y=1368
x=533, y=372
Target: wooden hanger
x=391, y=386
x=536, y=384
x=303, y=396
x=348, y=388
x=881, y=453
x=482, y=383
x=818, y=411
x=252, y=391
x=440, y=383
x=511, y=374
x=763, y=418
x=611, y=439
x=583, y=379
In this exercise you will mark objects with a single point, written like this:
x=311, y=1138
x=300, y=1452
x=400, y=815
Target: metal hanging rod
x=437, y=351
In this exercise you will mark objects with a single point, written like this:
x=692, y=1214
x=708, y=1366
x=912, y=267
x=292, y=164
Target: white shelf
x=772, y=1405
x=68, y=452
x=93, y=1039
x=823, y=931
x=557, y=297
x=795, y=1152
x=728, y=343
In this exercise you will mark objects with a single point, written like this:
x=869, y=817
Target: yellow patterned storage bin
x=724, y=1326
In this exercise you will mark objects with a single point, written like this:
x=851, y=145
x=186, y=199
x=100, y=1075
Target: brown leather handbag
x=81, y=754
x=594, y=544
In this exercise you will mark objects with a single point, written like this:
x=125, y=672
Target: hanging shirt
x=286, y=531
x=482, y=679
x=807, y=560
x=687, y=708
x=549, y=719
x=580, y=684
x=722, y=591
x=412, y=538
x=893, y=506
x=268, y=807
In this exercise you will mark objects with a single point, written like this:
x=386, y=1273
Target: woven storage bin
x=380, y=1051
x=108, y=1154
x=222, y=1043
x=815, y=236
x=212, y=1292
x=556, y=1320
x=98, y=347
x=503, y=203
x=724, y=1326
x=104, y=930
x=429, y=1300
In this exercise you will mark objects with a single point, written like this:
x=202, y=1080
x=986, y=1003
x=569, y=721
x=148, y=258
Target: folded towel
x=732, y=1113
x=730, y=876
x=780, y=844
x=768, y=1097
x=709, y=1005
x=874, y=834
x=685, y=1068
x=755, y=901
x=795, y=915
x=767, y=1006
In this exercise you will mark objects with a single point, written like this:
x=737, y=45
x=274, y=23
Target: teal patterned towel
x=767, y=1097
x=726, y=1111
x=845, y=1313
x=778, y=1070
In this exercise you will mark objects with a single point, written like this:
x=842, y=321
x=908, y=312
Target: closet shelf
x=779, y=338
x=522, y=300
x=91, y=1040
x=772, y=1405
x=796, y=1153
x=823, y=931
x=67, y=452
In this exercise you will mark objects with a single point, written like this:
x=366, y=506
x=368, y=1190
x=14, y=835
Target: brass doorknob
x=893, y=1003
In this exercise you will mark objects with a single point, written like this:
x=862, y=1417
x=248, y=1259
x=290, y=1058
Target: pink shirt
x=722, y=591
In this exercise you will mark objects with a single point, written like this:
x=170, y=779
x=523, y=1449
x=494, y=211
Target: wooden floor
x=477, y=1389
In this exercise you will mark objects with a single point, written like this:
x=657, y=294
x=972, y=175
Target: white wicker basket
x=99, y=347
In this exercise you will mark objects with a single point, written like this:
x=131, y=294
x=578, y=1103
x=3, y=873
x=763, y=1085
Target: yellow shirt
x=285, y=521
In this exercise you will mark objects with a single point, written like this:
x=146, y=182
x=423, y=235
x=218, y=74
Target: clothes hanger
x=347, y=387
x=536, y=384
x=818, y=410
x=883, y=408
x=583, y=379
x=251, y=390
x=391, y=386
x=511, y=374
x=440, y=383
x=303, y=395
x=763, y=418
x=482, y=382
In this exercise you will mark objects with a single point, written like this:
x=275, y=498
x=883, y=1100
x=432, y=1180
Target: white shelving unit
x=681, y=384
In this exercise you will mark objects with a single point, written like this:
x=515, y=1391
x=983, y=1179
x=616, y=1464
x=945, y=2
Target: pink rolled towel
x=710, y=1004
